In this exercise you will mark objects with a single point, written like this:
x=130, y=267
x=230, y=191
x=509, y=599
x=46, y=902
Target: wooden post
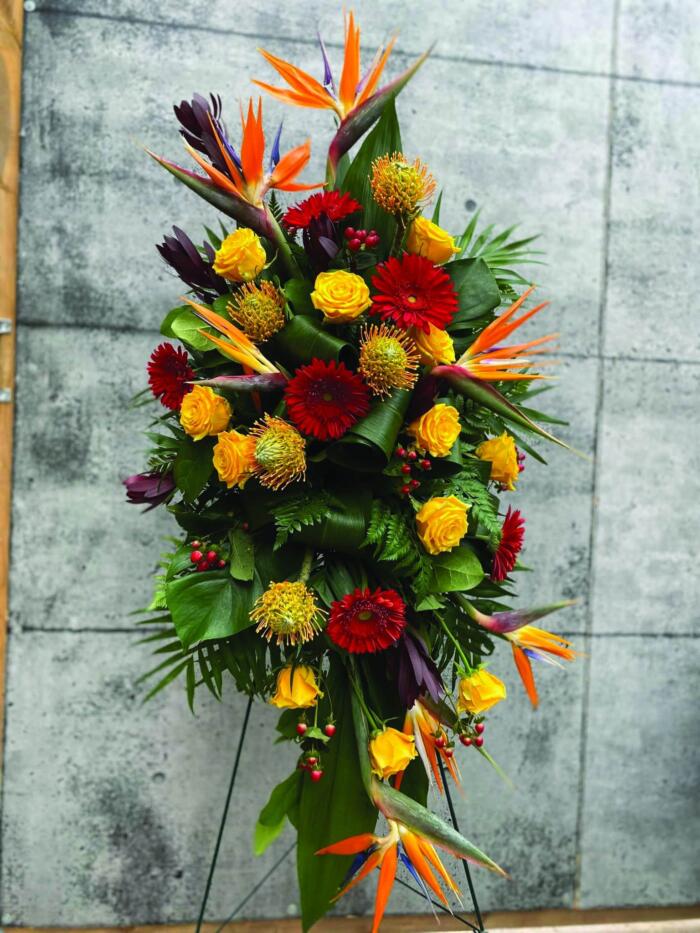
x=11, y=19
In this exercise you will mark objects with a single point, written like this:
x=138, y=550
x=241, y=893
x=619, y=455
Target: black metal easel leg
x=467, y=872
x=222, y=824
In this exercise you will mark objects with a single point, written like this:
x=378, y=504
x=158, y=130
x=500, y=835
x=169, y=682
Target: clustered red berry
x=310, y=759
x=356, y=239
x=473, y=735
x=412, y=463
x=209, y=561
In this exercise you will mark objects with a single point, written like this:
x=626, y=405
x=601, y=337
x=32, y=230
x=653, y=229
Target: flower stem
x=283, y=246
x=306, y=563
x=457, y=645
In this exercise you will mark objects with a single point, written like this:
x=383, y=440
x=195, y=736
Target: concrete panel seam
x=300, y=40
x=600, y=393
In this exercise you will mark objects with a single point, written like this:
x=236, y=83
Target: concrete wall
x=579, y=119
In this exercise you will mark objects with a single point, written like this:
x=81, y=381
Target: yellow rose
x=204, y=412
x=427, y=239
x=240, y=257
x=234, y=458
x=435, y=347
x=341, y=295
x=297, y=691
x=391, y=751
x=480, y=691
x=504, y=459
x=436, y=430
x=442, y=523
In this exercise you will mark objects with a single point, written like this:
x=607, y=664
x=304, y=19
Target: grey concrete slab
x=641, y=817
x=111, y=807
x=537, y=158
x=659, y=39
x=651, y=310
x=577, y=35
x=81, y=557
x=645, y=558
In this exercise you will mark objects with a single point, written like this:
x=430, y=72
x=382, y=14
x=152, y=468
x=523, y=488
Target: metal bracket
x=5, y=328
x=5, y=396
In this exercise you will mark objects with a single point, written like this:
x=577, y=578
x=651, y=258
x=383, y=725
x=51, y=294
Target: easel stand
x=478, y=926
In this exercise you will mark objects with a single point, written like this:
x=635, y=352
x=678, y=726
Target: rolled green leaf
x=344, y=528
x=305, y=338
x=369, y=444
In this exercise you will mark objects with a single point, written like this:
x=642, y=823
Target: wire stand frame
x=222, y=824
x=467, y=872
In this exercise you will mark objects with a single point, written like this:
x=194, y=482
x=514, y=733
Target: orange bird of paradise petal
x=384, y=853
x=431, y=742
x=353, y=89
x=486, y=359
x=532, y=642
x=249, y=181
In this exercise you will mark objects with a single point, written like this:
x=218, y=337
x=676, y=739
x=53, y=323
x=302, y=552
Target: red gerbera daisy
x=325, y=399
x=331, y=203
x=413, y=292
x=510, y=545
x=168, y=374
x=364, y=621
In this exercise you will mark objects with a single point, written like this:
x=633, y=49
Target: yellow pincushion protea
x=399, y=186
x=388, y=359
x=279, y=453
x=288, y=612
x=259, y=310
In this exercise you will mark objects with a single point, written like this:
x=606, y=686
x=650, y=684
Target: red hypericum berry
x=426, y=464
x=301, y=765
x=196, y=556
x=412, y=455
x=354, y=244
x=440, y=741
x=329, y=729
x=401, y=452
x=221, y=564
x=405, y=490
x=245, y=526
x=406, y=469
x=212, y=555
x=311, y=761
x=196, y=544
x=372, y=240
x=301, y=728
x=479, y=741
x=203, y=565
x=349, y=233
x=449, y=753
x=465, y=740
x=415, y=483
x=361, y=235
x=479, y=728
x=316, y=775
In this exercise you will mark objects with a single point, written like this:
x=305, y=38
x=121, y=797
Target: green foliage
x=284, y=799
x=209, y=605
x=477, y=291
x=457, y=570
x=384, y=139
x=500, y=252
x=332, y=809
x=471, y=488
x=183, y=324
x=193, y=466
x=242, y=558
x=298, y=511
x=392, y=536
